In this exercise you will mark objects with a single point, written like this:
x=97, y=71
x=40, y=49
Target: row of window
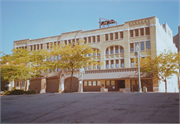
x=92, y=39
x=92, y=83
x=115, y=63
x=140, y=32
x=114, y=49
x=141, y=45
x=110, y=82
x=114, y=36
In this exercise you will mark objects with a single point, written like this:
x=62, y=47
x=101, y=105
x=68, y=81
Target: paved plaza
x=109, y=107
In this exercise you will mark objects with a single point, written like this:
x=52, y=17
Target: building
x=117, y=45
x=176, y=40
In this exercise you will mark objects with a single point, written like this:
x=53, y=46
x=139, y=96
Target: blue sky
x=24, y=19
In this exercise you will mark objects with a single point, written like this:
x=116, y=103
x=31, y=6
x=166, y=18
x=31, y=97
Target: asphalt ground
x=91, y=108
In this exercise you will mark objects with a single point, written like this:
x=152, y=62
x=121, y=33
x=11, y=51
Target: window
x=34, y=47
x=37, y=46
x=136, y=32
x=98, y=38
x=93, y=39
x=58, y=57
x=148, y=45
x=51, y=57
x=25, y=47
x=89, y=83
x=17, y=84
x=142, y=31
x=77, y=40
x=31, y=47
x=121, y=49
x=89, y=39
x=69, y=41
x=111, y=36
x=112, y=63
x=89, y=54
x=98, y=67
x=131, y=33
x=89, y=67
x=22, y=47
x=122, y=63
x=51, y=44
x=132, y=47
x=107, y=83
x=121, y=34
x=85, y=68
x=85, y=83
x=65, y=42
x=55, y=57
x=107, y=64
x=73, y=41
x=58, y=42
x=112, y=83
x=41, y=46
x=47, y=45
x=116, y=49
x=147, y=31
x=111, y=48
x=107, y=51
x=106, y=37
x=94, y=83
x=54, y=43
x=142, y=46
x=117, y=63
x=58, y=69
x=98, y=52
x=132, y=62
x=98, y=83
x=116, y=35
x=85, y=40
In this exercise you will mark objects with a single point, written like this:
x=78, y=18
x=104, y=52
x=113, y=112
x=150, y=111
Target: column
x=139, y=31
x=114, y=50
x=119, y=35
x=43, y=85
x=61, y=84
x=109, y=51
x=114, y=63
x=119, y=63
x=134, y=33
x=27, y=85
x=95, y=39
x=144, y=31
x=80, y=89
x=11, y=85
x=127, y=85
x=109, y=64
x=113, y=36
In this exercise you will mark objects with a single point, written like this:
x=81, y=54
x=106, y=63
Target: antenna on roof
x=106, y=22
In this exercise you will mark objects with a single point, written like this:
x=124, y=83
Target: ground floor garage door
x=52, y=85
x=74, y=86
x=35, y=85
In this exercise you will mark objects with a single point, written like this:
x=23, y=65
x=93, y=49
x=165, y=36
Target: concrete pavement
x=91, y=108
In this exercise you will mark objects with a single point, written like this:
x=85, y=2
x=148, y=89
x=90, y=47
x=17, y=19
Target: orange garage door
x=52, y=85
x=35, y=85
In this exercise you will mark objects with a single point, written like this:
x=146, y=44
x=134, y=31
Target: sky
x=32, y=19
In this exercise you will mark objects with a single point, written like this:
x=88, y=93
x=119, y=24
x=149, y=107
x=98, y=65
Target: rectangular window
x=77, y=40
x=142, y=31
x=94, y=83
x=54, y=43
x=111, y=36
x=148, y=45
x=41, y=46
x=85, y=68
x=112, y=63
x=85, y=83
x=122, y=63
x=98, y=67
x=37, y=46
x=51, y=45
x=34, y=47
x=85, y=40
x=47, y=45
x=58, y=42
x=98, y=83
x=58, y=57
x=69, y=41
x=106, y=37
x=117, y=63
x=121, y=34
x=73, y=41
x=111, y=48
x=107, y=83
x=116, y=35
x=131, y=33
x=107, y=51
x=147, y=31
x=93, y=39
x=142, y=46
x=132, y=47
x=58, y=69
x=22, y=47
x=136, y=32
x=31, y=47
x=89, y=39
x=116, y=49
x=107, y=64
x=98, y=38
x=25, y=47
x=121, y=50
x=132, y=62
x=89, y=83
x=65, y=42
x=112, y=83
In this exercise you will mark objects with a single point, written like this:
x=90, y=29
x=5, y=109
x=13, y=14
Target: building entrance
x=74, y=85
x=120, y=84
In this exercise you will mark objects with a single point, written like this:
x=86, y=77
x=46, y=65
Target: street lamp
x=81, y=82
x=138, y=54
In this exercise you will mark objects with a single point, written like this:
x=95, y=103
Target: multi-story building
x=117, y=47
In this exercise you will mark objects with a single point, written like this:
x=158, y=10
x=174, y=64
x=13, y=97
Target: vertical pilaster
x=11, y=85
x=61, y=84
x=27, y=85
x=43, y=85
x=80, y=89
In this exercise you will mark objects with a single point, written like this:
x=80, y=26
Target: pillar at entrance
x=127, y=85
x=11, y=85
x=61, y=84
x=80, y=89
x=43, y=85
x=27, y=86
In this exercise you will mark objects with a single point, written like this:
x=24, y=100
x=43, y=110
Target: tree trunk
x=165, y=86
x=71, y=81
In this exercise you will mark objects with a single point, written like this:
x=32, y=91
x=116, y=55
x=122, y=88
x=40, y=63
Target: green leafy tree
x=73, y=56
x=161, y=66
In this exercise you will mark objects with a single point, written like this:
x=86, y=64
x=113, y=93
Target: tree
x=21, y=65
x=72, y=57
x=161, y=66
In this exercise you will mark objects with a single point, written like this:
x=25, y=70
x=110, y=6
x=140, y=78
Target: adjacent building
x=117, y=47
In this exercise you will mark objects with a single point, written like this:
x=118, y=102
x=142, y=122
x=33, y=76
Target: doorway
x=120, y=84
